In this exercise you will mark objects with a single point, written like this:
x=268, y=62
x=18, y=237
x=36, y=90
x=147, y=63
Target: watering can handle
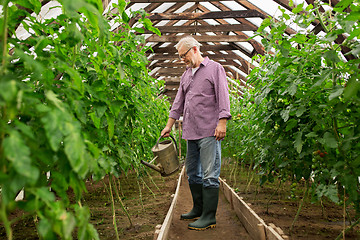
x=157, y=143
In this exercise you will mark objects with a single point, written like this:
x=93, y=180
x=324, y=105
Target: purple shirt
x=203, y=99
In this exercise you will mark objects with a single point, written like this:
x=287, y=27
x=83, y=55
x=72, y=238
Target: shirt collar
x=204, y=62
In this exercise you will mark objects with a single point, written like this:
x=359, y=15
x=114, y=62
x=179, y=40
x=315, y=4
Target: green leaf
x=35, y=67
x=53, y=125
x=45, y=194
x=298, y=142
x=330, y=140
x=336, y=93
x=51, y=96
x=121, y=6
x=285, y=114
x=352, y=87
x=292, y=89
x=265, y=23
x=329, y=191
x=41, y=44
x=353, y=16
x=98, y=4
x=125, y=17
x=25, y=129
x=95, y=119
x=291, y=124
x=301, y=109
x=68, y=223
x=311, y=135
x=8, y=90
x=74, y=147
x=354, y=33
x=322, y=77
x=75, y=79
x=340, y=6
x=18, y=154
x=299, y=38
x=298, y=8
x=139, y=30
x=115, y=107
x=331, y=56
x=93, y=149
x=111, y=124
x=309, y=7
x=44, y=229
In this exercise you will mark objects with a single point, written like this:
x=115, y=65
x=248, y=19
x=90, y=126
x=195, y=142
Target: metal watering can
x=166, y=156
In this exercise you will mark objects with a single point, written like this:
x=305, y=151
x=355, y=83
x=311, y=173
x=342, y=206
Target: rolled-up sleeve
x=222, y=92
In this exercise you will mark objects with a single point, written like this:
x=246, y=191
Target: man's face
x=186, y=55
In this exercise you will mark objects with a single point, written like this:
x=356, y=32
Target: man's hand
x=220, y=131
x=165, y=132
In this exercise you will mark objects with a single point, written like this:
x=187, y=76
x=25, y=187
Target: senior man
x=203, y=100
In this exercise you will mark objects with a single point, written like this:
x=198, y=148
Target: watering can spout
x=156, y=168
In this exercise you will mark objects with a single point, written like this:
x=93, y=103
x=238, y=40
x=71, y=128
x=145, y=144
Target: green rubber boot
x=207, y=218
x=196, y=192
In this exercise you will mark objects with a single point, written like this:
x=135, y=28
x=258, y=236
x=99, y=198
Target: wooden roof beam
x=249, y=5
x=243, y=50
x=203, y=48
x=203, y=38
x=206, y=15
x=259, y=48
x=166, y=1
x=202, y=28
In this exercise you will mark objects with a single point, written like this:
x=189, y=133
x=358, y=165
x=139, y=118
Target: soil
x=314, y=221
x=149, y=207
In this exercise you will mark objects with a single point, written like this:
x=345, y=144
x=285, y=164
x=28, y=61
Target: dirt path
x=228, y=226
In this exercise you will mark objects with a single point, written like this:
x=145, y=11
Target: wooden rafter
x=202, y=28
x=207, y=15
x=203, y=38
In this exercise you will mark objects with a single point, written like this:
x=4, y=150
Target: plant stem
x=4, y=40
x=272, y=195
x=249, y=181
x=113, y=209
x=121, y=203
x=235, y=173
x=348, y=229
x=120, y=189
x=140, y=194
x=152, y=180
x=256, y=192
x=344, y=215
x=5, y=221
x=74, y=56
x=320, y=17
x=300, y=206
x=322, y=209
x=154, y=195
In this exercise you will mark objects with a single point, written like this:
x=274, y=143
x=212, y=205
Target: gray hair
x=188, y=42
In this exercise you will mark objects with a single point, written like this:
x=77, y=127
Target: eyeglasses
x=182, y=56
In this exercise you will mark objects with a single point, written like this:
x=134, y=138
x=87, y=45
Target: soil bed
x=314, y=222
x=146, y=209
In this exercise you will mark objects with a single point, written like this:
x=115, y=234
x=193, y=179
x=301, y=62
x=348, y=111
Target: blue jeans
x=203, y=162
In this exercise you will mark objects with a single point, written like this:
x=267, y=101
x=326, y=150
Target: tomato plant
x=76, y=100
x=302, y=118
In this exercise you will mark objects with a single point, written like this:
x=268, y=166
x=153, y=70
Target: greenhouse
x=117, y=116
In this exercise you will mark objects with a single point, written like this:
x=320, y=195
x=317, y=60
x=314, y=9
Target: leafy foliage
x=76, y=100
x=302, y=119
